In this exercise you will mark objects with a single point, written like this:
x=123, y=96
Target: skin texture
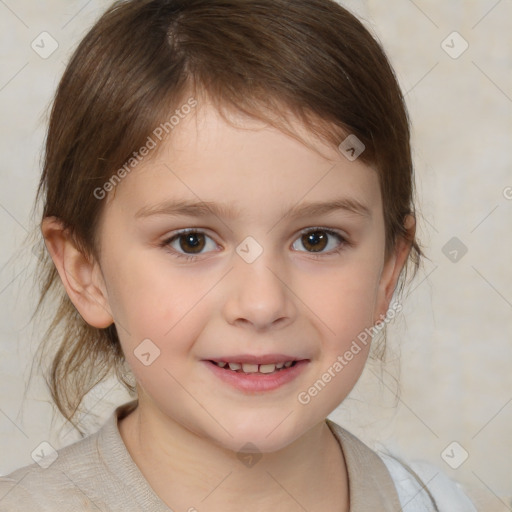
x=190, y=425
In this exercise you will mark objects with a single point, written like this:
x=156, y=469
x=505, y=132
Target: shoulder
x=55, y=483
x=419, y=485
x=13, y=496
x=25, y=490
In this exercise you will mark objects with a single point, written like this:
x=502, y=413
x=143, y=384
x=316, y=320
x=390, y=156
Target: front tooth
x=267, y=368
x=235, y=366
x=249, y=368
x=288, y=364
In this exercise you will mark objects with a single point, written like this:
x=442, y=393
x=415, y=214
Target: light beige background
x=454, y=335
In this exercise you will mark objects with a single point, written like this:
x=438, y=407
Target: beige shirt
x=97, y=473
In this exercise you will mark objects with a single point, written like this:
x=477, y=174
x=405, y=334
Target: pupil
x=194, y=241
x=316, y=240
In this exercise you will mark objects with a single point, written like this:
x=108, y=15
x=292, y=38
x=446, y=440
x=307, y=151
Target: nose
x=258, y=296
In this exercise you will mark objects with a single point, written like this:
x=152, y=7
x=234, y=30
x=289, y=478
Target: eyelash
x=344, y=243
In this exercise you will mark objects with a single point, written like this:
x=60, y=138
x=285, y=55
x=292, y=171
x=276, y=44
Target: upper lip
x=254, y=359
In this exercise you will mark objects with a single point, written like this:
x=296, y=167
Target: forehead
x=244, y=163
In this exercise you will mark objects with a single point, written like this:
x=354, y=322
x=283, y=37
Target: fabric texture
x=98, y=474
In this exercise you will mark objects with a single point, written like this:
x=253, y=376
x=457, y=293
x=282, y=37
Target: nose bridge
x=257, y=294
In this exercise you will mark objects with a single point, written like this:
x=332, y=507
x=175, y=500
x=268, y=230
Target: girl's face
x=283, y=261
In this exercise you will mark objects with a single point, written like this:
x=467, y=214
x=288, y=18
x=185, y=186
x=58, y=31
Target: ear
x=81, y=277
x=392, y=268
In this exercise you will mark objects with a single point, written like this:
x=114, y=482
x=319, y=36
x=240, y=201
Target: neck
x=189, y=472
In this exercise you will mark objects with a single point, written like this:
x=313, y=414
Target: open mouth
x=257, y=375
x=248, y=368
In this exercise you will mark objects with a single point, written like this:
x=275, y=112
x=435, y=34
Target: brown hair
x=273, y=60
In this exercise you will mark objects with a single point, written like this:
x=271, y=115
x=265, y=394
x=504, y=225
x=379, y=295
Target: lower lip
x=258, y=382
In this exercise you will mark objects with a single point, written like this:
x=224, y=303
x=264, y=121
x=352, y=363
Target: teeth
x=249, y=368
x=254, y=368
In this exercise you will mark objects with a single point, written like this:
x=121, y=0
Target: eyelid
x=342, y=239
x=331, y=231
x=169, y=239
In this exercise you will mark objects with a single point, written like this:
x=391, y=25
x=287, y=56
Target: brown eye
x=192, y=242
x=314, y=241
x=320, y=241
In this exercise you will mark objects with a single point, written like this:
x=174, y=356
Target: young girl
x=228, y=205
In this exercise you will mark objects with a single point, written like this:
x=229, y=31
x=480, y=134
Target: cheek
x=344, y=299
x=343, y=305
x=163, y=324
x=154, y=301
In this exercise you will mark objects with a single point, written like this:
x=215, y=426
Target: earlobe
x=393, y=267
x=81, y=277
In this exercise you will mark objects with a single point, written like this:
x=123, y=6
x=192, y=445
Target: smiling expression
x=244, y=247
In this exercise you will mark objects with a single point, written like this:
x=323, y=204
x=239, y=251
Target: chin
x=254, y=435
x=254, y=443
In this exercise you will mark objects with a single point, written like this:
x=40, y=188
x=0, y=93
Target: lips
x=260, y=376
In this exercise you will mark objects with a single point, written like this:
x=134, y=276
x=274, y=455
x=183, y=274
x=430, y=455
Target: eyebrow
x=207, y=208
